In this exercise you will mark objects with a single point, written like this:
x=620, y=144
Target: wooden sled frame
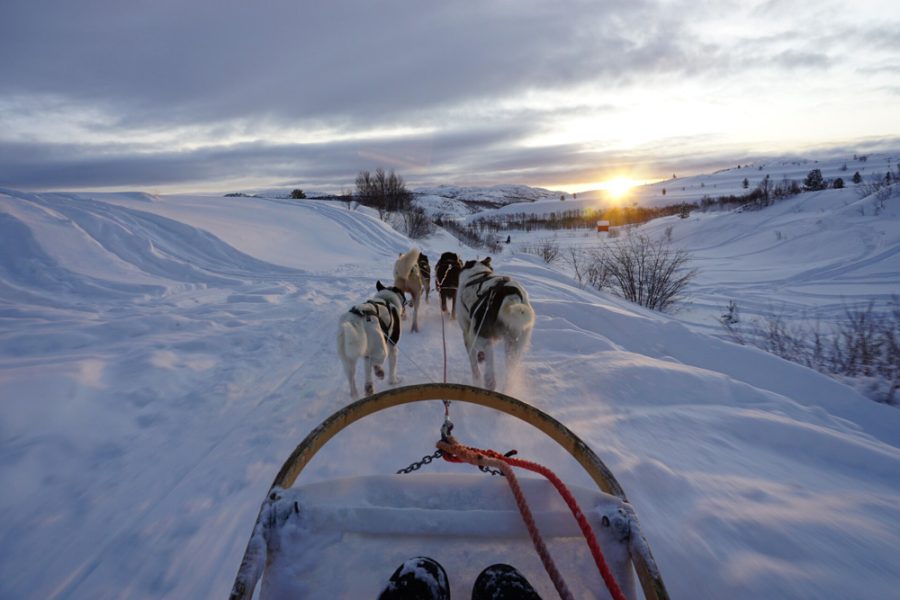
x=644, y=564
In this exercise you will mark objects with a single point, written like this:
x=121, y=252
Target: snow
x=160, y=357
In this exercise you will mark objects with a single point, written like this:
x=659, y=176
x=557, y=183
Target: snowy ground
x=161, y=356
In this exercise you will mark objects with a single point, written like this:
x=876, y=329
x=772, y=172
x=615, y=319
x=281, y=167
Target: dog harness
x=488, y=301
x=443, y=270
x=387, y=314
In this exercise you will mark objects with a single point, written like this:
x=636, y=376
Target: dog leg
x=350, y=371
x=472, y=350
x=487, y=354
x=514, y=347
x=370, y=385
x=415, y=322
x=392, y=365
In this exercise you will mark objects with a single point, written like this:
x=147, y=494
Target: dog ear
x=487, y=262
x=378, y=285
x=469, y=264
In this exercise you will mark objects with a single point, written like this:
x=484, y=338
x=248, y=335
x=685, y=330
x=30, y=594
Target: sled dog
x=492, y=308
x=446, y=280
x=425, y=272
x=371, y=331
x=408, y=278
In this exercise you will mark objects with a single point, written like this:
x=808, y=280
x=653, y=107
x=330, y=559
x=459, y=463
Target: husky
x=446, y=280
x=371, y=330
x=492, y=308
x=408, y=278
x=425, y=272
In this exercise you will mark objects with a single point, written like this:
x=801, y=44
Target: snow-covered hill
x=455, y=201
x=161, y=356
x=694, y=188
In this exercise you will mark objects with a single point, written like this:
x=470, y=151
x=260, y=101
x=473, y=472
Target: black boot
x=419, y=578
x=502, y=582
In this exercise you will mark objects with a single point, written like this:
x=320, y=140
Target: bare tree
x=578, y=260
x=385, y=192
x=647, y=272
x=417, y=222
x=546, y=248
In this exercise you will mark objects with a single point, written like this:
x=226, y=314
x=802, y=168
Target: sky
x=166, y=95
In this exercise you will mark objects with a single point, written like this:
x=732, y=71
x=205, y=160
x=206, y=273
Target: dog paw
x=370, y=389
x=480, y=356
x=395, y=380
x=379, y=372
x=490, y=383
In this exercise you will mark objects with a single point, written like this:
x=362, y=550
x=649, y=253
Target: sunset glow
x=618, y=187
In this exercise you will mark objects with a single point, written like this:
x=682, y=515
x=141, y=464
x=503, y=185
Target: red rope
x=478, y=458
x=456, y=452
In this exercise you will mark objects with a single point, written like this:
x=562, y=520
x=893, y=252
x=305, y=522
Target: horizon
x=155, y=97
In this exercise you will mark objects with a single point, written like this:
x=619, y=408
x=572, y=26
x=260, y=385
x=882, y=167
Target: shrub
x=864, y=345
x=298, y=195
x=814, y=180
x=385, y=193
x=546, y=248
x=646, y=272
x=417, y=223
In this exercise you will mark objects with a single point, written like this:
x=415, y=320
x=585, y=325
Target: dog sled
x=342, y=538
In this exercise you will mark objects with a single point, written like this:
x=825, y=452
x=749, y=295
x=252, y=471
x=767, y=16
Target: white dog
x=371, y=330
x=492, y=308
x=408, y=277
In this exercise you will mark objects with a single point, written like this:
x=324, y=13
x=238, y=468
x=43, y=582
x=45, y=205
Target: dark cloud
x=476, y=74
x=183, y=62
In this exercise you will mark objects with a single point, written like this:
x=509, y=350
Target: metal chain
x=425, y=460
x=438, y=454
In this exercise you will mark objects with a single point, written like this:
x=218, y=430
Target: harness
x=488, y=301
x=387, y=314
x=448, y=266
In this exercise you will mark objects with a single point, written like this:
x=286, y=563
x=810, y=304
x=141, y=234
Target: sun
x=618, y=187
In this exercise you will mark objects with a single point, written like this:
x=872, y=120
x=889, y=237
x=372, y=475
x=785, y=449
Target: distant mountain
x=462, y=201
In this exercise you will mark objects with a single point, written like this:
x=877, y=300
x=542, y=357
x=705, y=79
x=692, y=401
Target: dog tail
x=405, y=263
x=516, y=315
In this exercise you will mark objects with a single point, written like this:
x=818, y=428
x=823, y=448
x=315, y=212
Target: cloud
x=170, y=92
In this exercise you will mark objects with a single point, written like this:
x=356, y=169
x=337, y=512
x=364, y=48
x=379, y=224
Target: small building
x=602, y=226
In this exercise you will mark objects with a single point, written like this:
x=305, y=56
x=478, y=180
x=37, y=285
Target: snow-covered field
x=805, y=260
x=161, y=356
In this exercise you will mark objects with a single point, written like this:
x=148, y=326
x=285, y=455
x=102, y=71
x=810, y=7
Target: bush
x=546, y=248
x=417, y=223
x=838, y=183
x=647, y=272
x=298, y=195
x=864, y=346
x=814, y=180
x=385, y=193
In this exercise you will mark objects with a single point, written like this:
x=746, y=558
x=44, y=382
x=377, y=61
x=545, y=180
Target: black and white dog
x=446, y=280
x=371, y=330
x=493, y=308
x=425, y=272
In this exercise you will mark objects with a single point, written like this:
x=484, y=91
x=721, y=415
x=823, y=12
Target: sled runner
x=342, y=538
